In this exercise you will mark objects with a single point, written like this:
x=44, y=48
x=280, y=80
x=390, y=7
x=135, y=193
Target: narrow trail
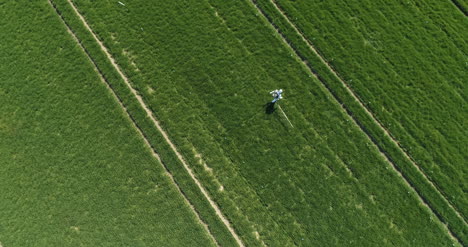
x=134, y=125
x=156, y=124
x=368, y=112
x=421, y=199
x=284, y=114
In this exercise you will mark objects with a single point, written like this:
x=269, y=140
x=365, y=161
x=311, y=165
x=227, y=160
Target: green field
x=407, y=61
x=74, y=172
x=77, y=171
x=409, y=72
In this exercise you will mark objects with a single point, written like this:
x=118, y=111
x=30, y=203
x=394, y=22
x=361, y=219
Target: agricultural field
x=146, y=123
x=406, y=61
x=73, y=170
x=205, y=74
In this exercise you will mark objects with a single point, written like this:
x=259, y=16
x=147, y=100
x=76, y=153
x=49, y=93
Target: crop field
x=407, y=62
x=73, y=169
x=146, y=123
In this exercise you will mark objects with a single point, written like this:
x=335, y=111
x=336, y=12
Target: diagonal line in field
x=134, y=124
x=156, y=124
x=460, y=7
x=368, y=112
x=422, y=200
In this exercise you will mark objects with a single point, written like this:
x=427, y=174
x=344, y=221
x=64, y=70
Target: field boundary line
x=134, y=124
x=381, y=151
x=368, y=112
x=158, y=126
x=460, y=7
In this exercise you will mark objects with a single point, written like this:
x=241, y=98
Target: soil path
x=382, y=153
x=140, y=132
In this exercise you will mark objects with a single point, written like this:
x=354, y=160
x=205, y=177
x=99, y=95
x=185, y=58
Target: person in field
x=276, y=95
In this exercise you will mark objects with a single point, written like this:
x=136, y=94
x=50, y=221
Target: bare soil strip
x=353, y=94
x=382, y=153
x=158, y=126
x=135, y=126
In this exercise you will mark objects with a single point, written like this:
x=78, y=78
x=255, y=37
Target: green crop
x=205, y=68
x=407, y=63
x=428, y=191
x=73, y=170
x=424, y=94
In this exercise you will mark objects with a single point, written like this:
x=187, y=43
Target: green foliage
x=206, y=68
x=462, y=5
x=139, y=116
x=407, y=62
x=73, y=171
x=450, y=115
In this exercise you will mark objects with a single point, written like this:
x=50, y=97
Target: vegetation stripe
x=384, y=155
x=353, y=94
x=460, y=6
x=158, y=126
x=140, y=132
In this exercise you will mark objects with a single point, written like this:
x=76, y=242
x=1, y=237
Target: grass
x=445, y=159
x=406, y=62
x=206, y=69
x=138, y=114
x=73, y=170
x=416, y=178
x=462, y=5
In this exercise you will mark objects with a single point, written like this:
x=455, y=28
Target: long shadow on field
x=269, y=108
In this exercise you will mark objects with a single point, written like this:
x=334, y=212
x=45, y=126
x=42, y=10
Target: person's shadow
x=269, y=108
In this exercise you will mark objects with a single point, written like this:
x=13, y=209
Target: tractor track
x=382, y=152
x=460, y=7
x=139, y=130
